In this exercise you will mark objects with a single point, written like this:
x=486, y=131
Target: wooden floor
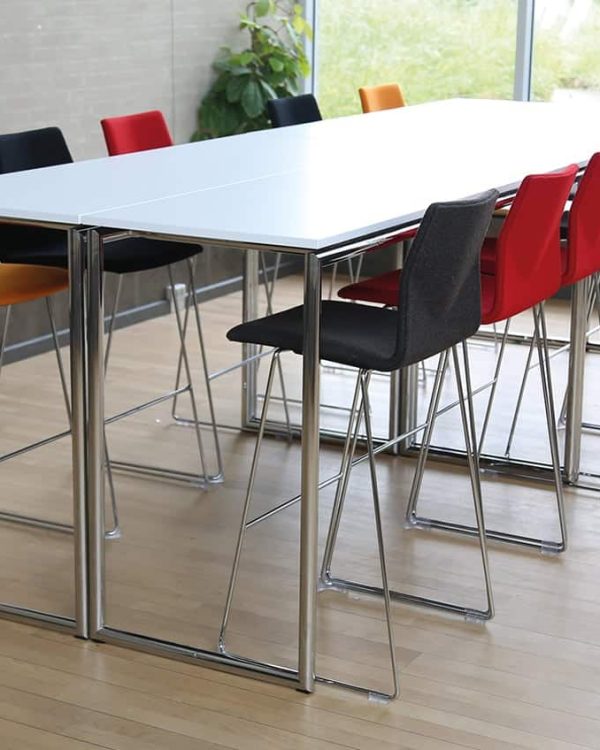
x=528, y=679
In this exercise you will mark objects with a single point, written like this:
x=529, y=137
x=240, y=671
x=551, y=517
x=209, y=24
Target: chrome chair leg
x=188, y=373
x=546, y=377
x=426, y=440
x=115, y=531
x=488, y=410
x=468, y=423
x=7, y=311
x=594, y=301
x=269, y=289
x=364, y=385
x=113, y=317
x=189, y=478
x=354, y=422
x=193, y=301
x=40, y=522
x=543, y=545
x=513, y=424
x=244, y=520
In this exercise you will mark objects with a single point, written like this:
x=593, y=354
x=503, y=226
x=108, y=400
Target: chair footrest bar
x=196, y=480
x=147, y=404
x=469, y=613
x=33, y=446
x=189, y=422
x=548, y=547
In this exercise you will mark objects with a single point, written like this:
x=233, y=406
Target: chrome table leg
x=309, y=509
x=77, y=319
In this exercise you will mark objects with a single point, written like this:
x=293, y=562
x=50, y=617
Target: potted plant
x=272, y=66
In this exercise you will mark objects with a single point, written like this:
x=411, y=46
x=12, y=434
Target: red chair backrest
x=528, y=262
x=583, y=254
x=140, y=132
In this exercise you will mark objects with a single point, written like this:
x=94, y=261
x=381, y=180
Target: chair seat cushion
x=383, y=289
x=24, y=283
x=355, y=335
x=48, y=247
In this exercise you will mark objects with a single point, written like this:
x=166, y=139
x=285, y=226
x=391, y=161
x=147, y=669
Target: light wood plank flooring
x=529, y=679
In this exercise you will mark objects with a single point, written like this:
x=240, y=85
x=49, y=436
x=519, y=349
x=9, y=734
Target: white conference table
x=325, y=191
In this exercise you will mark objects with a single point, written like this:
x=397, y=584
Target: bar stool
x=438, y=308
x=527, y=260
x=48, y=247
x=146, y=131
x=580, y=231
x=383, y=96
x=27, y=283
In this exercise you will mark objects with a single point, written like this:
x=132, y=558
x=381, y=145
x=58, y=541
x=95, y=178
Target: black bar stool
x=439, y=307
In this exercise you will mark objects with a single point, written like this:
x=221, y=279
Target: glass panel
x=435, y=49
x=566, y=60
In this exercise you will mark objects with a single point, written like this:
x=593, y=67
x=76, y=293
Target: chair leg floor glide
x=327, y=581
x=549, y=547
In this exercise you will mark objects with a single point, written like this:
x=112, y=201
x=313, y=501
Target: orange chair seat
x=24, y=283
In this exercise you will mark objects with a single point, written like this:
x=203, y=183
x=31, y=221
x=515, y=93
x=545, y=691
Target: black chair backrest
x=440, y=287
x=33, y=149
x=293, y=110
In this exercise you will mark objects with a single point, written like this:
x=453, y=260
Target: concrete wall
x=72, y=62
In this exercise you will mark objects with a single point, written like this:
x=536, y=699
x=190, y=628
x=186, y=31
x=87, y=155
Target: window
x=566, y=55
x=434, y=49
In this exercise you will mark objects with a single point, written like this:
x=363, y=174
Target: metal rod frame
x=544, y=546
x=468, y=424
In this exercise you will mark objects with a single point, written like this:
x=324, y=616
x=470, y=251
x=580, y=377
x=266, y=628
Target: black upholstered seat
x=439, y=303
x=354, y=335
x=46, y=147
x=293, y=110
x=48, y=247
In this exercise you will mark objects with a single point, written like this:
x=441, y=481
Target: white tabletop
x=316, y=185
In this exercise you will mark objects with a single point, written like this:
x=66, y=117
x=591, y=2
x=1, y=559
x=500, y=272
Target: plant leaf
x=262, y=8
x=252, y=99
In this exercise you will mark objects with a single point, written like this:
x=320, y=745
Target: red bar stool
x=580, y=229
x=527, y=265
